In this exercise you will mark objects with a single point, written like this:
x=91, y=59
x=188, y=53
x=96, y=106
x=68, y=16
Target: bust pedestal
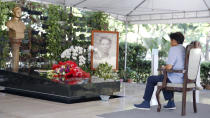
x=15, y=44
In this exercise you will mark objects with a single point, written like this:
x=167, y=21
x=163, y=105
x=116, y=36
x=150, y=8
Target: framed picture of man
x=105, y=48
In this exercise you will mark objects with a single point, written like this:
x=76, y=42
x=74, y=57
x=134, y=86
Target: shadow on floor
x=57, y=99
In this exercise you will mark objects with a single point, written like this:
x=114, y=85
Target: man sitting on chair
x=176, y=60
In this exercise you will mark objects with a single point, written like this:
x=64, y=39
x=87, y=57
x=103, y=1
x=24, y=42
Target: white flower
x=81, y=57
x=90, y=48
x=62, y=56
x=74, y=54
x=80, y=50
x=67, y=38
x=80, y=64
x=3, y=27
x=69, y=50
x=57, y=70
x=89, y=56
x=75, y=58
x=72, y=48
x=66, y=54
x=76, y=48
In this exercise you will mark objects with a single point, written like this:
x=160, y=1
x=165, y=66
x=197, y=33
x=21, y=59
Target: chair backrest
x=192, y=59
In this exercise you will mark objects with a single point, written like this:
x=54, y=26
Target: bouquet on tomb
x=68, y=72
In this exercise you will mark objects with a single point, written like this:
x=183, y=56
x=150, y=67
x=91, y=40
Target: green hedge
x=137, y=68
x=205, y=69
x=135, y=53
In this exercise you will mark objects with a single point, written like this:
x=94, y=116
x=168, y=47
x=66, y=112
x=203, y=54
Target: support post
x=207, y=47
x=198, y=84
x=126, y=47
x=154, y=67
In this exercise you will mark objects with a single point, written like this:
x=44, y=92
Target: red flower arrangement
x=68, y=72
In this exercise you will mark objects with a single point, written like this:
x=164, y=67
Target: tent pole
x=126, y=46
x=207, y=47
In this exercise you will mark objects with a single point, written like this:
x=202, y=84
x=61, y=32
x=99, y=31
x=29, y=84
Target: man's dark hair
x=178, y=36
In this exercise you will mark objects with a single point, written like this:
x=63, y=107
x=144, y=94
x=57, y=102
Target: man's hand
x=167, y=67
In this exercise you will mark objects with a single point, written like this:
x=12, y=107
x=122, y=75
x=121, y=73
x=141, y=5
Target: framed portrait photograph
x=105, y=48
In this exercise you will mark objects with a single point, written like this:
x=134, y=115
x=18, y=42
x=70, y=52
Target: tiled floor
x=13, y=106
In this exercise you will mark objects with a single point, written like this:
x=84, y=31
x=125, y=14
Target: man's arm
x=171, y=59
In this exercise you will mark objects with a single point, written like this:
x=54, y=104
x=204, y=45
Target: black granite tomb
x=38, y=86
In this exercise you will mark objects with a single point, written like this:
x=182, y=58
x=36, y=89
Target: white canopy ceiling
x=144, y=11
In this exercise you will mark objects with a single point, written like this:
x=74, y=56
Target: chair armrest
x=174, y=71
x=165, y=78
x=165, y=71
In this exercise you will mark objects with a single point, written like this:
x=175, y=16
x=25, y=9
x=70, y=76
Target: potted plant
x=134, y=75
x=104, y=70
x=128, y=76
x=122, y=75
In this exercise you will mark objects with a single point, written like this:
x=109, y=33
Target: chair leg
x=184, y=103
x=158, y=98
x=194, y=101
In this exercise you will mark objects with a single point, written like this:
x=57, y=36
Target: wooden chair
x=191, y=68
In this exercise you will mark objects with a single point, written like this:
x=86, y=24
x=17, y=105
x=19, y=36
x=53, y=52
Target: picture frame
x=105, y=48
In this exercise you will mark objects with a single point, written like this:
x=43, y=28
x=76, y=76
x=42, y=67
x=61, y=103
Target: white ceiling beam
x=142, y=2
x=206, y=4
x=79, y=3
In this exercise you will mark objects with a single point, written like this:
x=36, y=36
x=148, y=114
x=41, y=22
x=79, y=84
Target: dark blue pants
x=151, y=83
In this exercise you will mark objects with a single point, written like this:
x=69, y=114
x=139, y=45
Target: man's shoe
x=171, y=105
x=145, y=105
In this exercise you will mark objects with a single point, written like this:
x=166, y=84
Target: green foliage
x=151, y=43
x=104, y=70
x=49, y=74
x=97, y=20
x=5, y=13
x=61, y=23
x=161, y=63
x=144, y=70
x=157, y=43
x=4, y=51
x=135, y=53
x=5, y=8
x=205, y=70
x=136, y=64
x=134, y=75
x=55, y=33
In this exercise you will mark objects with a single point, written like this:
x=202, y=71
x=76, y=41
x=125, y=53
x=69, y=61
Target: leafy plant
x=205, y=70
x=136, y=52
x=5, y=8
x=55, y=34
x=135, y=61
x=104, y=70
x=97, y=20
x=121, y=74
x=134, y=75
